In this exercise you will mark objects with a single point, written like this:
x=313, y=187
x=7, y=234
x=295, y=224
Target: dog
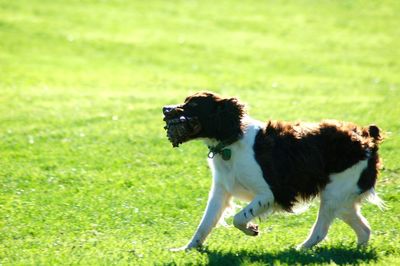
x=275, y=165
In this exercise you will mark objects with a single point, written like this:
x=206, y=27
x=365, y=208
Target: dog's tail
x=375, y=133
x=377, y=137
x=373, y=198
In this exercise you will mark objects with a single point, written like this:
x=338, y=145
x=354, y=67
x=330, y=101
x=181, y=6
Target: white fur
x=241, y=177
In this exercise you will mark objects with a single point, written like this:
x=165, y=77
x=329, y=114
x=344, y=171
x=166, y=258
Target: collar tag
x=226, y=154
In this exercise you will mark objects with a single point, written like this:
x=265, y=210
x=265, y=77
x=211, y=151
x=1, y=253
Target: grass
x=87, y=175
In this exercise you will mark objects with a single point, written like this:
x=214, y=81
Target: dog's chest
x=241, y=175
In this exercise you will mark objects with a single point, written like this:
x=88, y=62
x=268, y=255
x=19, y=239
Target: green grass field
x=87, y=175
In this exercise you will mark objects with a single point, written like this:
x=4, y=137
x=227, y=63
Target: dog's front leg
x=262, y=203
x=218, y=200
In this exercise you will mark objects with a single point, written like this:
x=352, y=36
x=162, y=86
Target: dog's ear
x=232, y=106
x=228, y=118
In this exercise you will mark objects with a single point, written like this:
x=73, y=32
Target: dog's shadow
x=291, y=256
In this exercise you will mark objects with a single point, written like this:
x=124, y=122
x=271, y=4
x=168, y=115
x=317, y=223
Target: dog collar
x=226, y=153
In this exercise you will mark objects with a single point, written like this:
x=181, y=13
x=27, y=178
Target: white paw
x=252, y=230
x=301, y=247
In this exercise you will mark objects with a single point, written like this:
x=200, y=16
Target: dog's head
x=204, y=115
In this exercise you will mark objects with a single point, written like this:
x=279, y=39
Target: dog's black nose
x=166, y=109
x=169, y=110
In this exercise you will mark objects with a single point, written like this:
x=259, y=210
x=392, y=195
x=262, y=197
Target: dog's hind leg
x=352, y=216
x=261, y=204
x=340, y=193
x=320, y=229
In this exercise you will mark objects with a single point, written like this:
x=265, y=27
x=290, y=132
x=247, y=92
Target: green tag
x=226, y=154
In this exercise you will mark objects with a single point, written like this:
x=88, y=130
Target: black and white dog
x=275, y=165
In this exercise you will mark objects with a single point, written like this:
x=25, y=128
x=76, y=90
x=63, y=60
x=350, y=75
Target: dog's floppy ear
x=228, y=118
x=232, y=108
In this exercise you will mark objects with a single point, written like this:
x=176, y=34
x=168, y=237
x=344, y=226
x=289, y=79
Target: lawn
x=87, y=175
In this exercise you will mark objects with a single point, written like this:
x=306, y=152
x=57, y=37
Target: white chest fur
x=241, y=175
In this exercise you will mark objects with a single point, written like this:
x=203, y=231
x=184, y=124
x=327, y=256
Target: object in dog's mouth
x=180, y=129
x=176, y=130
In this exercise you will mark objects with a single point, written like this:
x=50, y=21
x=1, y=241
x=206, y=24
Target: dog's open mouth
x=181, y=129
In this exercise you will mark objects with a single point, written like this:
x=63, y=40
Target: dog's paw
x=184, y=248
x=301, y=247
x=305, y=246
x=252, y=230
